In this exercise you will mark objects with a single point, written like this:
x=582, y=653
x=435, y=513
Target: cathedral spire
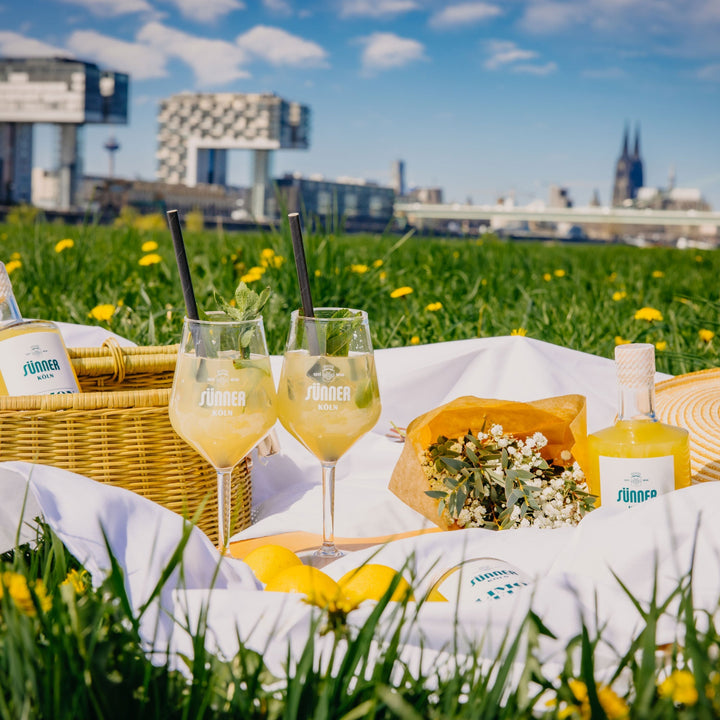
x=625, y=141
x=636, y=154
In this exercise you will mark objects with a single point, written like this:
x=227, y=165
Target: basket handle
x=113, y=346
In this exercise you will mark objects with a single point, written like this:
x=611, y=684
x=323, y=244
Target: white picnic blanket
x=570, y=573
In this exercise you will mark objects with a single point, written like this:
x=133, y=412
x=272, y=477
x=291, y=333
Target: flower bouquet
x=497, y=464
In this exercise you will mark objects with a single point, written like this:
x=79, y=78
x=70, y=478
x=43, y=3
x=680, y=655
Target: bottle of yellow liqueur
x=638, y=458
x=33, y=357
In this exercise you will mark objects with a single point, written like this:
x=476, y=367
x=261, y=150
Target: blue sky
x=479, y=98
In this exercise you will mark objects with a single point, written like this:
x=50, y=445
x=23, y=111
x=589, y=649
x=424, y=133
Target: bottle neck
x=637, y=402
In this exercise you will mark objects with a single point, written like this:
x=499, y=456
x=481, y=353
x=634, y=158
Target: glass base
x=323, y=556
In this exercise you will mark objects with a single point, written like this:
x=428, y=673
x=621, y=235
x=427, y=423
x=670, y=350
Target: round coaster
x=692, y=401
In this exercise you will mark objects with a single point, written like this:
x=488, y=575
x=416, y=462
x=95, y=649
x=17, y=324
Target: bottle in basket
x=33, y=357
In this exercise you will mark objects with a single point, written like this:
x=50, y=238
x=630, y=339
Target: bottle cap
x=635, y=364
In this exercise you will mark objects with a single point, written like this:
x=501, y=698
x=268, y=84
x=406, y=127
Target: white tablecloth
x=571, y=569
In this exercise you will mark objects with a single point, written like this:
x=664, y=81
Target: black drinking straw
x=182, y=263
x=308, y=310
x=185, y=279
x=301, y=265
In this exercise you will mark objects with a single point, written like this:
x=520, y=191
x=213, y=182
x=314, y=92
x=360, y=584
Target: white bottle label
x=36, y=363
x=626, y=482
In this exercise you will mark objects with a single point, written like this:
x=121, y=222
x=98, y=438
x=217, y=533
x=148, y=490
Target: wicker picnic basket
x=117, y=431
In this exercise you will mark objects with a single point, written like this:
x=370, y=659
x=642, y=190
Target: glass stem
x=328, y=491
x=224, y=478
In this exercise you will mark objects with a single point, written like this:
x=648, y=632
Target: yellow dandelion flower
x=559, y=272
x=15, y=255
x=383, y=275
x=61, y=245
x=649, y=314
x=612, y=276
x=267, y=253
x=658, y=273
x=456, y=254
x=250, y=277
x=359, y=269
x=149, y=246
x=706, y=335
x=13, y=265
x=151, y=259
x=78, y=580
x=434, y=306
x=102, y=312
x=273, y=261
x=619, y=295
x=318, y=273
x=17, y=588
x=414, y=340
x=661, y=345
x=377, y=263
x=547, y=277
x=620, y=340
x=679, y=687
x=578, y=689
x=257, y=269
x=698, y=258
x=401, y=292
x=522, y=332
x=613, y=705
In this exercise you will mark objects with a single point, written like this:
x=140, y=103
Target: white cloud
x=206, y=10
x=113, y=8
x=709, y=72
x=279, y=47
x=141, y=61
x=546, y=69
x=279, y=7
x=16, y=45
x=387, y=50
x=214, y=62
x=547, y=16
x=464, y=14
x=376, y=8
x=505, y=52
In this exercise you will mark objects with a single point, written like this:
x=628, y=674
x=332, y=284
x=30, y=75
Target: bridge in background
x=572, y=216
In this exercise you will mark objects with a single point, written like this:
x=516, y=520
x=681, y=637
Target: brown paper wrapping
x=562, y=420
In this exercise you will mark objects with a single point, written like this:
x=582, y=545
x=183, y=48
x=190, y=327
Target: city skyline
x=481, y=99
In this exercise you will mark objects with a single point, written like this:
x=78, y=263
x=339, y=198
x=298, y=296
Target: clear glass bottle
x=637, y=458
x=33, y=356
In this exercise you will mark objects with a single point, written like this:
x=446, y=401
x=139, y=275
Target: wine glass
x=223, y=397
x=328, y=394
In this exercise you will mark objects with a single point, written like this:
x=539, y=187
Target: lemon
x=319, y=588
x=268, y=560
x=371, y=582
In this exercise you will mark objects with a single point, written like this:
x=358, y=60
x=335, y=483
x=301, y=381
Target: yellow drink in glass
x=327, y=403
x=228, y=412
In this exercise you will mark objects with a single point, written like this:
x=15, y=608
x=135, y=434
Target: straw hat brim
x=692, y=401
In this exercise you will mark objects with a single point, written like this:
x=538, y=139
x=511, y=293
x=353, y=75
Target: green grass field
x=583, y=297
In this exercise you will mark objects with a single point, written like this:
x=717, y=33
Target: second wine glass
x=328, y=394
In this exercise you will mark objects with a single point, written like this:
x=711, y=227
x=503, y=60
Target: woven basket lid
x=692, y=401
